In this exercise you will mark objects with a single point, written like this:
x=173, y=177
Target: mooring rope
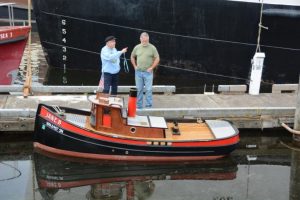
x=289, y=129
x=289, y=147
x=126, y=68
x=165, y=66
x=204, y=73
x=170, y=34
x=259, y=27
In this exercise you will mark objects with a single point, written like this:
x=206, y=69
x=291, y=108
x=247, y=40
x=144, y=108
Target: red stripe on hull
x=44, y=148
x=70, y=184
x=12, y=45
x=13, y=32
x=77, y=130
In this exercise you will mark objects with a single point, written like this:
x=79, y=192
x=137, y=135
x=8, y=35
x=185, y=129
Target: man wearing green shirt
x=144, y=59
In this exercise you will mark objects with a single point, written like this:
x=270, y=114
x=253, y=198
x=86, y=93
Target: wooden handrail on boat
x=289, y=129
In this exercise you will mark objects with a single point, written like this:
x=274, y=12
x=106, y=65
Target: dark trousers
x=111, y=80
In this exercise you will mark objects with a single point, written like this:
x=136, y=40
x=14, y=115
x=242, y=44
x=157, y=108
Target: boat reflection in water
x=124, y=181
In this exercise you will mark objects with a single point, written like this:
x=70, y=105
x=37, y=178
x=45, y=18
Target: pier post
x=27, y=83
x=295, y=159
x=297, y=117
x=256, y=73
x=295, y=175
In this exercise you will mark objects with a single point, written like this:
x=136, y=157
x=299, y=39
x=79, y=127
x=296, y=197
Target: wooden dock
x=266, y=110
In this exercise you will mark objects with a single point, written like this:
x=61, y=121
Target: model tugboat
x=110, y=131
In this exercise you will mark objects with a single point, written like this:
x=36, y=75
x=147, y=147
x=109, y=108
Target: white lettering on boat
x=55, y=128
x=53, y=184
x=5, y=35
x=53, y=118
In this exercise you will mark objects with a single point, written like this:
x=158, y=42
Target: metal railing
x=11, y=17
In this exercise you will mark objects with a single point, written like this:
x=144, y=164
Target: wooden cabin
x=109, y=115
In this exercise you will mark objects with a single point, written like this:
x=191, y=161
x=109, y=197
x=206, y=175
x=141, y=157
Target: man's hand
x=155, y=63
x=124, y=50
x=150, y=69
x=132, y=59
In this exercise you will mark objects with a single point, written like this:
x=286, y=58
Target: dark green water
x=266, y=165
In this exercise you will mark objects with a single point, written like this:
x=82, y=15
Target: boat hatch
x=79, y=120
x=147, y=121
x=221, y=129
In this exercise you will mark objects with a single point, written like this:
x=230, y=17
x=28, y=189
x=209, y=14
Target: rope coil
x=125, y=64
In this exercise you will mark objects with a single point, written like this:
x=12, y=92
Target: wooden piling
x=295, y=175
x=27, y=83
x=295, y=162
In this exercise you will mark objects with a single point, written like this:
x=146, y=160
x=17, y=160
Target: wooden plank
x=190, y=131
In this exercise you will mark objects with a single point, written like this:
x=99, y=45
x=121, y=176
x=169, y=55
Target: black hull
x=206, y=36
x=51, y=137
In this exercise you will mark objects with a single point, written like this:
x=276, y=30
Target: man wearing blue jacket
x=110, y=58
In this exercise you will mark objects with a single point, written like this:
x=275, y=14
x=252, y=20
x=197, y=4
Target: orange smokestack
x=132, y=102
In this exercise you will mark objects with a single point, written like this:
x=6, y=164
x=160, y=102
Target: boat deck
x=188, y=131
x=79, y=120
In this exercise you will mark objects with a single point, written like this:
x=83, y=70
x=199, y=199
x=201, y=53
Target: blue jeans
x=144, y=79
x=111, y=80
